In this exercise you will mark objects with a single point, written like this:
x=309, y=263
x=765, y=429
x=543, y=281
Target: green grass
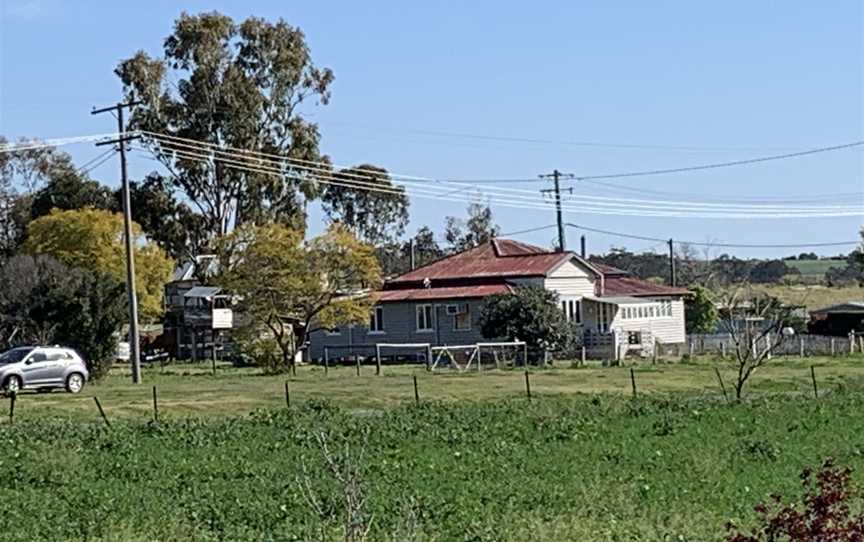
x=814, y=269
x=813, y=297
x=601, y=467
x=476, y=460
x=192, y=391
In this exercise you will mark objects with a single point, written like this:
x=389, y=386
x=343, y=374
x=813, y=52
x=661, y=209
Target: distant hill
x=813, y=271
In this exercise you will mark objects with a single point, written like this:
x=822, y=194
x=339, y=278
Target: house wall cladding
x=400, y=326
x=668, y=330
x=570, y=281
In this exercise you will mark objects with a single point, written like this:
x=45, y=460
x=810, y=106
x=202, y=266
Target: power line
x=530, y=230
x=45, y=143
x=705, y=244
x=708, y=210
x=344, y=179
x=722, y=164
x=754, y=199
x=593, y=144
x=94, y=163
x=616, y=203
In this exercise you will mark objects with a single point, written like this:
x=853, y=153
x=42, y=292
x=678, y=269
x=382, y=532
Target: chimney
x=582, y=240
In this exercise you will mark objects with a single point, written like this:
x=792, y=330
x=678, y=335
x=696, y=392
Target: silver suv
x=42, y=368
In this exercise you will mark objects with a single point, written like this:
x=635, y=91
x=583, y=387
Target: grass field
x=580, y=467
x=814, y=270
x=474, y=461
x=813, y=297
x=192, y=390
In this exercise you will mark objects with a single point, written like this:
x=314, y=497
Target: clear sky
x=737, y=79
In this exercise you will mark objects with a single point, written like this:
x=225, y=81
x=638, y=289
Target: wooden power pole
x=556, y=176
x=134, y=354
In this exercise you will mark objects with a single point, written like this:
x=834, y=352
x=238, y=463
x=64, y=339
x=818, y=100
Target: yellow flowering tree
x=92, y=239
x=293, y=287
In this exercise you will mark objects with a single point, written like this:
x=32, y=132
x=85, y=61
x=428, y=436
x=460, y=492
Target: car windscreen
x=15, y=355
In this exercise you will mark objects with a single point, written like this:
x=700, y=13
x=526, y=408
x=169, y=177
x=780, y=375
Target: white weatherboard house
x=439, y=303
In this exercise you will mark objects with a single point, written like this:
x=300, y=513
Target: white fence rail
x=797, y=345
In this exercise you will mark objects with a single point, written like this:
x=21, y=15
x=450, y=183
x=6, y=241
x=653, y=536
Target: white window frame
x=430, y=321
x=604, y=317
x=456, y=319
x=572, y=309
x=376, y=322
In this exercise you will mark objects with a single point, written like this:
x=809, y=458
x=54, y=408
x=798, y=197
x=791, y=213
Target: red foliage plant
x=823, y=516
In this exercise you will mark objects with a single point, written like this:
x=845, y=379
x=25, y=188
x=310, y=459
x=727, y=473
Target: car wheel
x=74, y=383
x=12, y=385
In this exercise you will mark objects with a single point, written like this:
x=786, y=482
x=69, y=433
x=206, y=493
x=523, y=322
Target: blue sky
x=738, y=79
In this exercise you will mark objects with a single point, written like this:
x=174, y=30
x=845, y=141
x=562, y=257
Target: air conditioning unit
x=453, y=310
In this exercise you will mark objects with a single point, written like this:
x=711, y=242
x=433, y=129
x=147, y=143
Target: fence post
x=524, y=355
x=801, y=346
x=722, y=386
x=326, y=360
x=690, y=344
x=833, y=350
x=527, y=385
x=813, y=377
x=357, y=363
x=851, y=342
x=428, y=357
x=723, y=349
x=377, y=359
x=155, y=406
x=287, y=395
x=416, y=391
x=102, y=412
x=768, y=345
x=583, y=356
x=12, y=397
x=633, y=381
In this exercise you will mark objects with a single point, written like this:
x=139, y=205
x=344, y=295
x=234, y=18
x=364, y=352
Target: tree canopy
x=43, y=301
x=92, y=239
x=292, y=287
x=377, y=211
x=530, y=314
x=701, y=315
x=478, y=228
x=232, y=84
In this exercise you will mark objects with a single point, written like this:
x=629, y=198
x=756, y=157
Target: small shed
x=838, y=320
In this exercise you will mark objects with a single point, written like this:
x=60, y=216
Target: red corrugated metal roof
x=455, y=292
x=632, y=286
x=497, y=258
x=608, y=269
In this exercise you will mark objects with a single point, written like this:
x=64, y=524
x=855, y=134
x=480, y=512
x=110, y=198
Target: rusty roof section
x=454, y=292
x=499, y=258
x=618, y=285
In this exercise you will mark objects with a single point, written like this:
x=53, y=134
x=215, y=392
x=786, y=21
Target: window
x=572, y=310
x=462, y=321
x=424, y=318
x=38, y=357
x=376, y=321
x=603, y=318
x=634, y=337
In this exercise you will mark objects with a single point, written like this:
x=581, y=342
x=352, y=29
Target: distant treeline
x=726, y=269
